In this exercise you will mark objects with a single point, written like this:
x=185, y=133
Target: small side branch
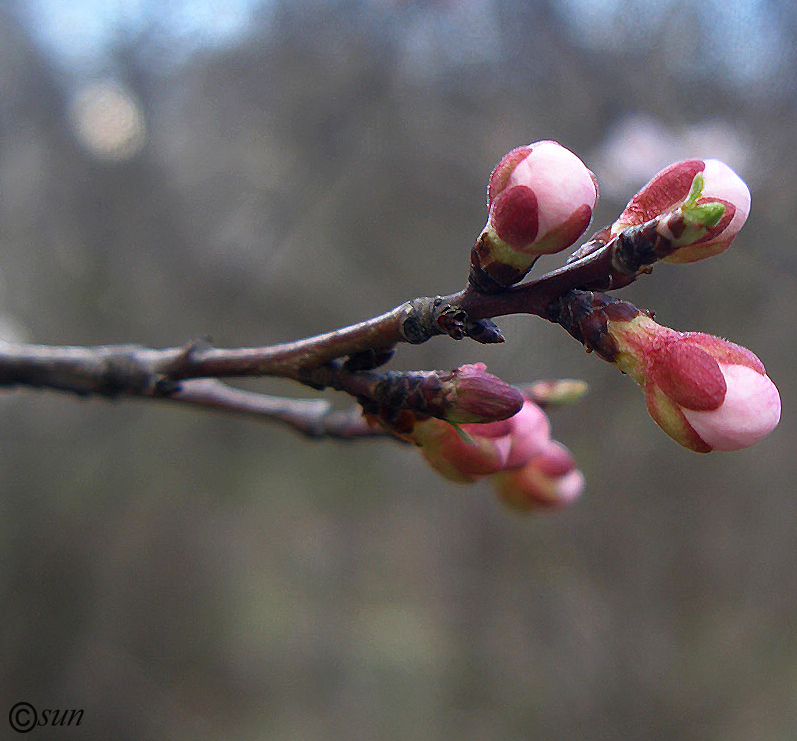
x=314, y=418
x=128, y=370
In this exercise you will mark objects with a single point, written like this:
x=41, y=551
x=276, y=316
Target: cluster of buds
x=705, y=392
x=529, y=468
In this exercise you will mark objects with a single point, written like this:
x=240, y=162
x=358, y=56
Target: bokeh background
x=258, y=171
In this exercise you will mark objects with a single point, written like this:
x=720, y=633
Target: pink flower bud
x=540, y=201
x=530, y=433
x=748, y=413
x=483, y=453
x=482, y=449
x=541, y=198
x=675, y=188
x=548, y=481
x=529, y=469
x=704, y=392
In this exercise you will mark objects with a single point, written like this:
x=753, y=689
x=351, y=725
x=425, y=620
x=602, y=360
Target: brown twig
x=314, y=418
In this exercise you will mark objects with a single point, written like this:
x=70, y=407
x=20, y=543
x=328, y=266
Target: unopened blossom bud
x=540, y=201
x=701, y=206
x=466, y=394
x=549, y=480
x=528, y=468
x=471, y=451
x=473, y=395
x=704, y=392
x=463, y=456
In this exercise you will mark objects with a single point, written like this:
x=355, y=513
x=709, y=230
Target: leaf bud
x=473, y=395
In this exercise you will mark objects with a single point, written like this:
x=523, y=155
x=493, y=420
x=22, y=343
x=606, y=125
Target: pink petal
x=531, y=434
x=751, y=411
x=723, y=184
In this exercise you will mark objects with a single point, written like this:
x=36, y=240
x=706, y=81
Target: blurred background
x=258, y=171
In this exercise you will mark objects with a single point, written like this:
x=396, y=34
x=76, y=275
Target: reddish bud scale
x=502, y=172
x=688, y=375
x=664, y=191
x=514, y=216
x=473, y=395
x=725, y=351
x=572, y=227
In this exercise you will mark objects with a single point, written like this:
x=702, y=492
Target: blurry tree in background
x=180, y=575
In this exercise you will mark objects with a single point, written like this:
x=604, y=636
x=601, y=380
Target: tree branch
x=171, y=373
